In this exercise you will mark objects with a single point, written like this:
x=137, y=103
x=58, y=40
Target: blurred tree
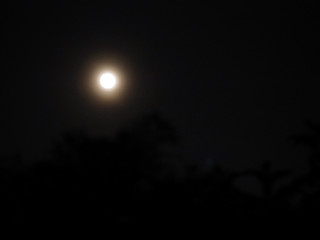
x=307, y=187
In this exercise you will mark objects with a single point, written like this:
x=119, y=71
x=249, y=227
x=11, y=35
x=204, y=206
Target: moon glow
x=108, y=81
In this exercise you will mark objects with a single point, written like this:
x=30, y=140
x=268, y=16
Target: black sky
x=235, y=80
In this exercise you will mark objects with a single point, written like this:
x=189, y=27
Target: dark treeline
x=127, y=180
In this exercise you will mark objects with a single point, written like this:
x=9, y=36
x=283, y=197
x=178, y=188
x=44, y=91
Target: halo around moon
x=107, y=81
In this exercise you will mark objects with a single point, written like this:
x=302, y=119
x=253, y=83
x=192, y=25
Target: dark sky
x=235, y=80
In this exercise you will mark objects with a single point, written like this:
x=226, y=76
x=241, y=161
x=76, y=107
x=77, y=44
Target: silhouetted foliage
x=110, y=181
x=307, y=187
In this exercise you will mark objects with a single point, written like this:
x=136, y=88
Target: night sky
x=235, y=80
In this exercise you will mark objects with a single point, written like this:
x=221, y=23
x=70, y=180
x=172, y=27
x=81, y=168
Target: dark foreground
x=99, y=182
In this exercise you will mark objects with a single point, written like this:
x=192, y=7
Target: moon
x=108, y=81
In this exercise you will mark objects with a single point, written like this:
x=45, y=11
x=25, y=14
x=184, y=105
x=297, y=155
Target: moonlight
x=108, y=81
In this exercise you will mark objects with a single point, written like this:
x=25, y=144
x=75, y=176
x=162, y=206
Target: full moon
x=108, y=81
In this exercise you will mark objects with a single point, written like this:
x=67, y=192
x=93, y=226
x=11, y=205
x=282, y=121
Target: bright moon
x=107, y=81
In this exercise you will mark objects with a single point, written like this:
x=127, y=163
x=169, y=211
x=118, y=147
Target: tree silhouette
x=307, y=186
x=90, y=180
x=267, y=178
